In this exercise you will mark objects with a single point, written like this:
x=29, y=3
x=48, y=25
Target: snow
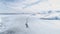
x=44, y=26
x=16, y=23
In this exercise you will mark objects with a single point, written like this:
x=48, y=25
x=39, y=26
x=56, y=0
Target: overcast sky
x=28, y=5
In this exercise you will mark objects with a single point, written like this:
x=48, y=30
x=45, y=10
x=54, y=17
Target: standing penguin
x=26, y=23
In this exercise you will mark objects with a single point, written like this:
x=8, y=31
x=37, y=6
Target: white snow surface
x=16, y=23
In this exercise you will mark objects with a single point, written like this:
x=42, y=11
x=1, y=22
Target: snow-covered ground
x=38, y=26
x=16, y=24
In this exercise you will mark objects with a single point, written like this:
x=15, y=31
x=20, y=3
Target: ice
x=26, y=24
x=44, y=26
x=13, y=22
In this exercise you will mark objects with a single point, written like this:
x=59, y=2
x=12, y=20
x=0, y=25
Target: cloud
x=16, y=5
x=28, y=5
x=10, y=5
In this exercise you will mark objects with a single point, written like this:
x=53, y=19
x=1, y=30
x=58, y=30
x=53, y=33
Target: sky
x=33, y=6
